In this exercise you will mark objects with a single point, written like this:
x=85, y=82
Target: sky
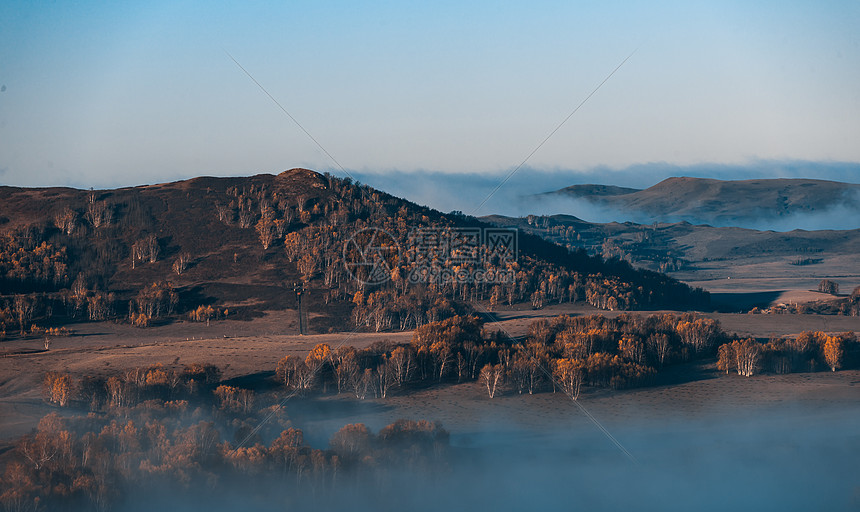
x=120, y=93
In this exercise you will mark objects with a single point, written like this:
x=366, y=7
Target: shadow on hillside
x=674, y=375
x=260, y=381
x=741, y=302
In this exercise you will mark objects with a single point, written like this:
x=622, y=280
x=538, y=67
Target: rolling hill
x=721, y=203
x=782, y=265
x=242, y=246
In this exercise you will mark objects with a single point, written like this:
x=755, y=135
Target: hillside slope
x=243, y=245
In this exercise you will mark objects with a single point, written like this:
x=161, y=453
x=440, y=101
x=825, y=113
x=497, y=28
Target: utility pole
x=299, y=289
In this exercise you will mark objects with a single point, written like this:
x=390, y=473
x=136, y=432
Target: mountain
x=722, y=203
x=242, y=246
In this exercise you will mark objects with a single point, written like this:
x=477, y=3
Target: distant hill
x=722, y=203
x=591, y=190
x=243, y=245
x=718, y=258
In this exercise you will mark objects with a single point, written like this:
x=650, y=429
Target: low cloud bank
x=519, y=195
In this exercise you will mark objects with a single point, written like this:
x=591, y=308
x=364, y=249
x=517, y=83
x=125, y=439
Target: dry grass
x=246, y=348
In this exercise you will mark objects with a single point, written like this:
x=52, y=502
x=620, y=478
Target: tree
x=181, y=263
x=98, y=212
x=747, y=355
x=442, y=354
x=833, y=349
x=402, y=364
x=347, y=369
x=235, y=399
x=828, y=286
x=632, y=348
x=570, y=373
x=659, y=345
x=266, y=229
x=157, y=299
x=491, y=377
x=18, y=489
x=351, y=441
x=700, y=334
x=203, y=314
x=66, y=220
x=318, y=356
x=288, y=370
x=363, y=384
x=58, y=388
x=285, y=449
x=384, y=377
x=726, y=360
x=24, y=307
x=146, y=248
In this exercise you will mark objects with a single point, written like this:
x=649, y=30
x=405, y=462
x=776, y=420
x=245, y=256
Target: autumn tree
x=319, y=360
x=18, y=489
x=352, y=441
x=726, y=360
x=235, y=399
x=203, y=314
x=570, y=374
x=833, y=349
x=699, y=334
x=157, y=300
x=58, y=388
x=266, y=229
x=747, y=356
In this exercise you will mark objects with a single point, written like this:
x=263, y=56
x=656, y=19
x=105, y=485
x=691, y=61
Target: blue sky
x=110, y=94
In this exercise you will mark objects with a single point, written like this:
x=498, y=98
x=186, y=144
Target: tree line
x=185, y=431
x=623, y=352
x=809, y=351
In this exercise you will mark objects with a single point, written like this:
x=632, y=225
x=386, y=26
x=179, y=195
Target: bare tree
x=181, y=263
x=570, y=374
x=828, y=286
x=225, y=213
x=153, y=247
x=659, y=345
x=383, y=378
x=98, y=213
x=347, y=370
x=491, y=377
x=402, y=364
x=363, y=384
x=288, y=371
x=246, y=217
x=66, y=220
x=38, y=449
